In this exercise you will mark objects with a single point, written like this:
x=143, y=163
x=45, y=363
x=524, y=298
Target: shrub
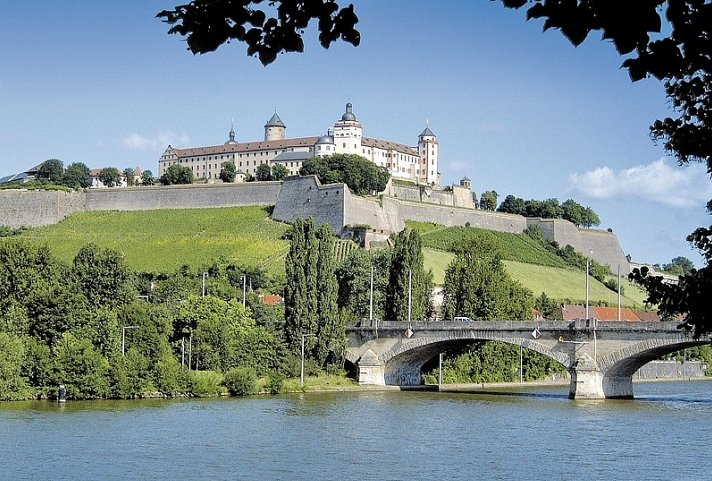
x=241, y=381
x=275, y=383
x=206, y=383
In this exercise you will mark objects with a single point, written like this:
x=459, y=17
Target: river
x=534, y=434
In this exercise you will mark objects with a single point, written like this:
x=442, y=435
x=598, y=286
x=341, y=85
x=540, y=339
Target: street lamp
x=304, y=336
x=123, y=336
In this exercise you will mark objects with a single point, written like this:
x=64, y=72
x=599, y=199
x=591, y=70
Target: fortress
x=305, y=197
x=416, y=163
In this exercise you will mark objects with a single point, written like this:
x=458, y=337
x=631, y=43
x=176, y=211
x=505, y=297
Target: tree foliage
x=77, y=175
x=207, y=24
x=110, y=176
x=359, y=174
x=310, y=295
x=488, y=200
x=477, y=286
x=228, y=172
x=409, y=285
x=51, y=170
x=263, y=172
x=177, y=174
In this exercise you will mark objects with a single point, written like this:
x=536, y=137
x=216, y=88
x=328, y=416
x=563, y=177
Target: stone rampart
x=457, y=216
x=33, y=208
x=304, y=197
x=183, y=196
x=457, y=196
x=301, y=197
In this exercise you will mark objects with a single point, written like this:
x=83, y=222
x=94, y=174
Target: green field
x=163, y=240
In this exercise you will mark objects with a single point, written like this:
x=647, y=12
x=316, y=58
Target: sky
x=515, y=109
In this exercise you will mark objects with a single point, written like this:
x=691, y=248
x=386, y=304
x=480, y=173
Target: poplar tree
x=331, y=336
x=300, y=302
x=407, y=267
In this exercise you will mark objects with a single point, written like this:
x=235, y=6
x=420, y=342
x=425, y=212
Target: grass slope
x=163, y=240
x=558, y=283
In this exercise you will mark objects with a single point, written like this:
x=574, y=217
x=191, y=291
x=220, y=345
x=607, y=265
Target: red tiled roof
x=272, y=299
x=246, y=146
x=611, y=314
x=387, y=145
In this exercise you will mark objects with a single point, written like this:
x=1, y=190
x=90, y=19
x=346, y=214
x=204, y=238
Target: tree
x=679, y=266
x=300, y=300
x=488, y=201
x=103, y=276
x=263, y=172
x=573, y=212
x=358, y=173
x=177, y=174
x=147, y=177
x=512, y=205
x=51, y=170
x=77, y=175
x=477, y=285
x=279, y=172
x=207, y=24
x=331, y=336
x=354, y=280
x=130, y=176
x=228, y=172
x=406, y=270
x=110, y=176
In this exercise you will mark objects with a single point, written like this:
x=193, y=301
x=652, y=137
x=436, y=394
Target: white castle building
x=418, y=163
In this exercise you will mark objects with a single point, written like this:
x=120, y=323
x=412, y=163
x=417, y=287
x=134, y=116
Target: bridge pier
x=588, y=382
x=371, y=370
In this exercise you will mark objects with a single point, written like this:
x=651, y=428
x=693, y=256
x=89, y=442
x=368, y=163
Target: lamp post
x=123, y=336
x=587, y=264
x=244, y=290
x=304, y=336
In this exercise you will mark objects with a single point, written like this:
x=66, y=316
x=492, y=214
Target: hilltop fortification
x=306, y=197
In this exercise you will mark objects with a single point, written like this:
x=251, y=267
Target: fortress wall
x=32, y=208
x=606, y=249
x=183, y=197
x=462, y=197
x=456, y=216
x=603, y=247
x=405, y=193
x=386, y=218
x=304, y=197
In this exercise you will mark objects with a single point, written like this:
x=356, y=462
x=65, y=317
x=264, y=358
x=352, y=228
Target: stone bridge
x=601, y=357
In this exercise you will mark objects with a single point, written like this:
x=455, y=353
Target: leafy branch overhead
x=207, y=24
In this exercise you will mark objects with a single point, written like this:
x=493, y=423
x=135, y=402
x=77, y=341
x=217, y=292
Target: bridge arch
x=403, y=363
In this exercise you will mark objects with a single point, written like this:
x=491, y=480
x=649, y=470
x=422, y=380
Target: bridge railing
x=521, y=325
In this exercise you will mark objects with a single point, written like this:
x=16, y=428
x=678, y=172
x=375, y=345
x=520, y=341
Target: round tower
x=325, y=145
x=428, y=149
x=275, y=129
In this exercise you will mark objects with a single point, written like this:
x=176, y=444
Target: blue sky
x=516, y=110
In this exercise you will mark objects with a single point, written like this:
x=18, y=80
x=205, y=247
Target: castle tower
x=275, y=129
x=231, y=140
x=428, y=149
x=347, y=133
x=325, y=145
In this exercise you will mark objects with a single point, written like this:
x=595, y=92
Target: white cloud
x=156, y=143
x=657, y=182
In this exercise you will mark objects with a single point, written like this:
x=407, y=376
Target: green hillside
x=512, y=247
x=163, y=240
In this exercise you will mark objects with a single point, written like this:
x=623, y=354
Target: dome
x=326, y=139
x=348, y=115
